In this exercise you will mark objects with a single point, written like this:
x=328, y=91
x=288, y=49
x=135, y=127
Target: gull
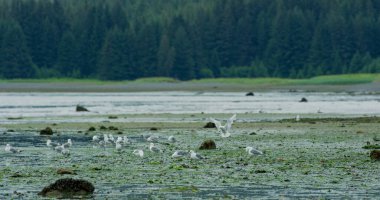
x=252, y=151
x=194, y=155
x=51, y=144
x=9, y=148
x=125, y=140
x=95, y=138
x=297, y=118
x=138, y=152
x=154, y=149
x=65, y=152
x=118, y=146
x=224, y=130
x=172, y=139
x=59, y=148
x=68, y=144
x=111, y=138
x=179, y=153
x=152, y=138
x=119, y=140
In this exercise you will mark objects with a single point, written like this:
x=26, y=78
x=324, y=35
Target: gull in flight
x=179, y=154
x=252, y=151
x=194, y=155
x=224, y=130
x=154, y=149
x=172, y=139
x=138, y=152
x=9, y=148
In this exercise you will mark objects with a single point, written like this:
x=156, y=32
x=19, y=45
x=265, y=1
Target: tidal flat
x=318, y=157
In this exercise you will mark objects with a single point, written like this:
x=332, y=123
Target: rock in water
x=81, y=109
x=303, y=100
x=250, y=94
x=208, y=144
x=209, y=125
x=46, y=131
x=68, y=188
x=375, y=155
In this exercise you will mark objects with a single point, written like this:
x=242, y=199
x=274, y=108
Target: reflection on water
x=15, y=105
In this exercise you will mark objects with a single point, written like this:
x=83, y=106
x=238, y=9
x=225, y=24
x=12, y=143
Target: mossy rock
x=209, y=125
x=375, y=155
x=68, y=188
x=208, y=144
x=46, y=131
x=92, y=129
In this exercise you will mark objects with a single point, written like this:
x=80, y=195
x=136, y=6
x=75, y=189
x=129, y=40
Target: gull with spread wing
x=224, y=131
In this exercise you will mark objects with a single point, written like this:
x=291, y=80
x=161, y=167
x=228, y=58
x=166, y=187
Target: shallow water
x=48, y=105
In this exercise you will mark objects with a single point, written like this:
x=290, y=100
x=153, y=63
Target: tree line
x=129, y=39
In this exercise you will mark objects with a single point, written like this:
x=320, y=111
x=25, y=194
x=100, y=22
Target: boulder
x=303, y=100
x=46, y=131
x=91, y=128
x=81, y=109
x=250, y=94
x=208, y=144
x=68, y=188
x=209, y=125
x=375, y=155
x=154, y=129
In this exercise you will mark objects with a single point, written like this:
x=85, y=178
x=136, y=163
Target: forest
x=188, y=39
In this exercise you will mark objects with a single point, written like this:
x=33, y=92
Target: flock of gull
x=118, y=143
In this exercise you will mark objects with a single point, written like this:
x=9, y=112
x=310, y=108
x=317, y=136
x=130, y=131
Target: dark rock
x=92, y=129
x=65, y=171
x=119, y=133
x=103, y=128
x=208, y=144
x=153, y=129
x=68, y=188
x=112, y=128
x=375, y=155
x=209, y=125
x=112, y=117
x=250, y=94
x=46, y=131
x=81, y=109
x=253, y=133
x=303, y=100
x=10, y=131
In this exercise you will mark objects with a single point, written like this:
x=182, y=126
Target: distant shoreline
x=182, y=86
x=328, y=83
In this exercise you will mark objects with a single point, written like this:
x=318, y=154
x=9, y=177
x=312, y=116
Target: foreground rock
x=375, y=155
x=250, y=94
x=209, y=125
x=208, y=144
x=68, y=188
x=81, y=109
x=46, y=131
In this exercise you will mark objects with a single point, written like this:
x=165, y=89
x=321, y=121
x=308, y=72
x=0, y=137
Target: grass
x=344, y=79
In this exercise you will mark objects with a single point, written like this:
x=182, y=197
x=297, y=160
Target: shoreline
x=181, y=86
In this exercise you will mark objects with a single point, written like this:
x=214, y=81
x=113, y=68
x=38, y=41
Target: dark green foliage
x=128, y=39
